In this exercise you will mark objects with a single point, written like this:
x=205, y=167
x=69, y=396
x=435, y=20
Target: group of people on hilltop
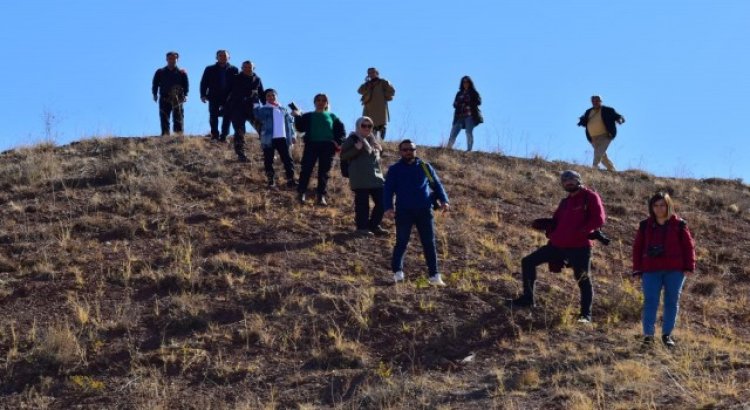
x=663, y=250
x=232, y=95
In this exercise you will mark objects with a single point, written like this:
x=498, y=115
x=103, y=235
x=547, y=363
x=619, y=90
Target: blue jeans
x=467, y=123
x=405, y=219
x=653, y=282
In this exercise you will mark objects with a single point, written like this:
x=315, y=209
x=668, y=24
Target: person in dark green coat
x=362, y=150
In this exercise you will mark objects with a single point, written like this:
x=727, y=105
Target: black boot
x=527, y=299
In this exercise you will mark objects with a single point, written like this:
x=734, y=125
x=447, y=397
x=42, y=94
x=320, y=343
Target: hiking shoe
x=378, y=231
x=584, y=319
x=668, y=341
x=647, y=341
x=398, y=276
x=271, y=183
x=301, y=198
x=521, y=302
x=243, y=159
x=322, y=200
x=291, y=183
x=436, y=280
x=363, y=232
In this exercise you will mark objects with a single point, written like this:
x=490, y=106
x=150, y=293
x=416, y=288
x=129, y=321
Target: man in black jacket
x=247, y=90
x=171, y=84
x=215, y=86
x=601, y=128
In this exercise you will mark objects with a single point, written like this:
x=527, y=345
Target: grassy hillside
x=162, y=274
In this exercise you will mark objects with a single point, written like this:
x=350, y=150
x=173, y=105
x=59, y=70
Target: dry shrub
x=623, y=302
x=60, y=346
x=705, y=287
x=526, y=379
x=31, y=167
x=572, y=400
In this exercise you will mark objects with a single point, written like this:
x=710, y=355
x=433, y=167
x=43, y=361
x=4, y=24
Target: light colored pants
x=600, y=144
x=467, y=123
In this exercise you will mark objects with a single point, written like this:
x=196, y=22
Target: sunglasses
x=408, y=149
x=365, y=125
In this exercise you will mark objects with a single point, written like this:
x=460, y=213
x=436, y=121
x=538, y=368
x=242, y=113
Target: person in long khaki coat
x=376, y=92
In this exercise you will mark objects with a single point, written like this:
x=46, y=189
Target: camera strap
x=430, y=179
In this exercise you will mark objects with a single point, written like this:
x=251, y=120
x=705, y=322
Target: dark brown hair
x=658, y=197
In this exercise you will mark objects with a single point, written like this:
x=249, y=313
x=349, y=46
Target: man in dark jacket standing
x=576, y=218
x=601, y=128
x=247, y=90
x=215, y=86
x=410, y=180
x=170, y=83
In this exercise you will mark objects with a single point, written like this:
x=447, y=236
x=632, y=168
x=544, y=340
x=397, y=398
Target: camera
x=543, y=224
x=654, y=251
x=600, y=236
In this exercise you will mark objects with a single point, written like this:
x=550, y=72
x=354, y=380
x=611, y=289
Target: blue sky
x=677, y=70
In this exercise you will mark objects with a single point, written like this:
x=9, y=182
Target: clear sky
x=678, y=70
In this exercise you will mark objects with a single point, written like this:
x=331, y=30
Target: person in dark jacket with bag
x=663, y=257
x=575, y=220
x=171, y=85
x=601, y=128
x=215, y=86
x=414, y=183
x=247, y=90
x=466, y=114
x=324, y=133
x=362, y=151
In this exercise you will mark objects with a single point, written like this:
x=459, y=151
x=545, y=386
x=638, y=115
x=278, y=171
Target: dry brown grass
x=159, y=273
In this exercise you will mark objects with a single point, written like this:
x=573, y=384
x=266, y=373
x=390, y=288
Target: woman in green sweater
x=324, y=133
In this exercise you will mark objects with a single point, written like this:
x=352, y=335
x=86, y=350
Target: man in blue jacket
x=412, y=180
x=215, y=86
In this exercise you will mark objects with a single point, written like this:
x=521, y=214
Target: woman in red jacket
x=663, y=256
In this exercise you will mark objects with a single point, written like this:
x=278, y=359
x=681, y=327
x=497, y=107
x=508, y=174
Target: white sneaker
x=398, y=276
x=436, y=280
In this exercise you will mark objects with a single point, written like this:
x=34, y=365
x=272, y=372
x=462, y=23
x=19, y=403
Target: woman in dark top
x=466, y=114
x=324, y=133
x=663, y=256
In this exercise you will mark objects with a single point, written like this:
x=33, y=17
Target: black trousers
x=240, y=115
x=166, y=108
x=322, y=153
x=278, y=145
x=381, y=129
x=362, y=216
x=213, y=119
x=578, y=258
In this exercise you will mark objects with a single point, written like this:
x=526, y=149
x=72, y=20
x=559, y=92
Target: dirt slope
x=160, y=273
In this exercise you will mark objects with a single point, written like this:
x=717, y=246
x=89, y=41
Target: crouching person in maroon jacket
x=663, y=256
x=576, y=219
